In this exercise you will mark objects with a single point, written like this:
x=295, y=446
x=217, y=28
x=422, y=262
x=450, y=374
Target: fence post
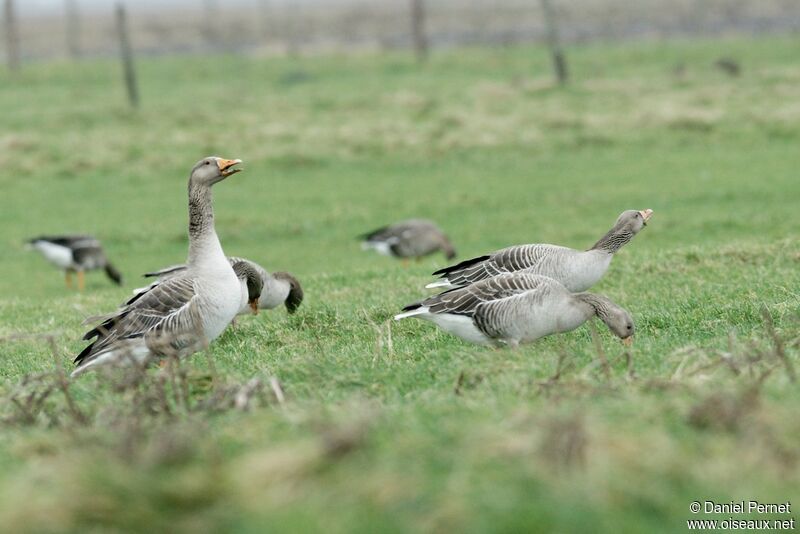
x=73, y=28
x=126, y=54
x=12, y=36
x=418, y=29
x=553, y=41
x=210, y=17
x=292, y=28
x=266, y=22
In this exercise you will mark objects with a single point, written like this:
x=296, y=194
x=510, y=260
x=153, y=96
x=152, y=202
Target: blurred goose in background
x=181, y=315
x=75, y=254
x=276, y=288
x=413, y=238
x=577, y=270
x=510, y=309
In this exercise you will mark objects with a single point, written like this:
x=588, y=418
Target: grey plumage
x=247, y=272
x=183, y=314
x=277, y=288
x=413, y=238
x=577, y=270
x=515, y=308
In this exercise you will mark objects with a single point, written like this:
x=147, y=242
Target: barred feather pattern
x=166, y=316
x=547, y=260
x=466, y=300
x=508, y=318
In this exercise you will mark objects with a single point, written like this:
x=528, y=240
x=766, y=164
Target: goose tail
x=411, y=310
x=113, y=274
x=445, y=284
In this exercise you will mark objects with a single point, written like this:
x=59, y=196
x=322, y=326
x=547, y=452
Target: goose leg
x=68, y=278
x=81, y=281
x=404, y=261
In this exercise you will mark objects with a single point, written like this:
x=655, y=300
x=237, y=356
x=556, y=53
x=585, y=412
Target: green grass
x=426, y=432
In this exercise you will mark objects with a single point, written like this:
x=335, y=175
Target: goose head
x=619, y=322
x=255, y=284
x=208, y=171
x=632, y=221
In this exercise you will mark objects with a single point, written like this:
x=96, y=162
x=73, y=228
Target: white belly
x=381, y=247
x=58, y=255
x=458, y=325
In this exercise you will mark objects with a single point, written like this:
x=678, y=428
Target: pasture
x=387, y=426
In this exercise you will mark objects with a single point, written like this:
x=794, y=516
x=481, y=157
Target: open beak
x=646, y=214
x=226, y=166
x=254, y=306
x=627, y=341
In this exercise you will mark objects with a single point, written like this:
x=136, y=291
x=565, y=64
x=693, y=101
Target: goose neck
x=592, y=304
x=615, y=239
x=203, y=240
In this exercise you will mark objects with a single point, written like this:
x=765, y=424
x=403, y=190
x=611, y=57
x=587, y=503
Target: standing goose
x=75, y=254
x=413, y=238
x=185, y=313
x=515, y=308
x=577, y=270
x=276, y=288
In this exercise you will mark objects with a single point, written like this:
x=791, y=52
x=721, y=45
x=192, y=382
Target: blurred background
x=57, y=28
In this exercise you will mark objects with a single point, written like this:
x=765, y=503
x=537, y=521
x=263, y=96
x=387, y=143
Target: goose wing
x=167, y=272
x=507, y=260
x=497, y=317
x=466, y=300
x=167, y=310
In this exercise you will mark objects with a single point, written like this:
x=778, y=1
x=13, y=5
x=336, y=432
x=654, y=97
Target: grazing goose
x=251, y=285
x=277, y=288
x=185, y=313
x=515, y=308
x=577, y=270
x=75, y=254
x=413, y=238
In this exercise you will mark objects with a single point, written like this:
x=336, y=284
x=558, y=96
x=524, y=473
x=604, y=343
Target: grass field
x=398, y=427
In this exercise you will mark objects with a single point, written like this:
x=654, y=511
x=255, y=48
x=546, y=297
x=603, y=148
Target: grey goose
x=577, y=270
x=75, y=254
x=515, y=308
x=413, y=238
x=276, y=288
x=185, y=313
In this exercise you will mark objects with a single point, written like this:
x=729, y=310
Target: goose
x=510, y=309
x=577, y=270
x=276, y=288
x=75, y=254
x=413, y=238
x=185, y=313
x=251, y=285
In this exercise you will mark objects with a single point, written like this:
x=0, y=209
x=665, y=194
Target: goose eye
x=630, y=327
x=208, y=163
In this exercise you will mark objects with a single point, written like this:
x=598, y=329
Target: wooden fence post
x=210, y=16
x=12, y=35
x=553, y=41
x=292, y=28
x=73, y=28
x=418, y=29
x=264, y=16
x=126, y=55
